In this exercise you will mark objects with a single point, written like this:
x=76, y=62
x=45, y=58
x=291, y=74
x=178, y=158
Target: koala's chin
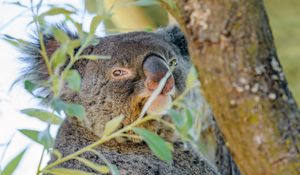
x=160, y=105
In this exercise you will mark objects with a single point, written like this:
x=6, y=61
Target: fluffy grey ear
x=173, y=35
x=35, y=69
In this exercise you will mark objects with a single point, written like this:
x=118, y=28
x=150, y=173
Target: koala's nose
x=155, y=68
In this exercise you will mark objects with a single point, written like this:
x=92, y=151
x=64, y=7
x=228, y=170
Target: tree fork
x=232, y=46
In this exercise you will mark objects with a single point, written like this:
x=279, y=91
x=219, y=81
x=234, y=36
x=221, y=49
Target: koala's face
x=123, y=83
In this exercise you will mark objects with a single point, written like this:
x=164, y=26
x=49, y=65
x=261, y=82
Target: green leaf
x=143, y=3
x=60, y=35
x=64, y=171
x=58, y=58
x=112, y=125
x=19, y=43
x=192, y=77
x=71, y=109
x=44, y=138
x=55, y=84
x=188, y=118
x=100, y=168
x=42, y=115
x=57, y=153
x=29, y=86
x=75, y=110
x=73, y=79
x=95, y=22
x=171, y=4
x=57, y=11
x=176, y=117
x=113, y=168
x=13, y=164
x=95, y=57
x=158, y=146
x=73, y=44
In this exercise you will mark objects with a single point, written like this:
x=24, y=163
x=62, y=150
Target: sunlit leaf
x=73, y=79
x=74, y=110
x=95, y=57
x=58, y=58
x=112, y=125
x=57, y=11
x=57, y=154
x=158, y=146
x=73, y=44
x=60, y=35
x=113, y=168
x=144, y=3
x=64, y=171
x=95, y=22
x=13, y=164
x=100, y=168
x=192, y=77
x=42, y=115
x=44, y=138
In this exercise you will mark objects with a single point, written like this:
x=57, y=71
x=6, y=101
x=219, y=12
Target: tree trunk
x=232, y=47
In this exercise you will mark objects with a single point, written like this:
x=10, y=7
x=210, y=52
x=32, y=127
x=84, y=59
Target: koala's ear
x=174, y=35
x=35, y=69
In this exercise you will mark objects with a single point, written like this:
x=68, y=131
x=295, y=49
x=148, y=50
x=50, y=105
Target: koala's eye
x=117, y=73
x=120, y=73
x=173, y=62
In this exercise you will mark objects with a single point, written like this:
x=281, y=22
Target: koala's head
x=123, y=83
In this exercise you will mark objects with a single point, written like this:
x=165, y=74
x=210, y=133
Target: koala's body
x=120, y=86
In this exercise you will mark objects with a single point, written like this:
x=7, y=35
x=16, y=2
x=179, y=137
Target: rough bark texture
x=232, y=47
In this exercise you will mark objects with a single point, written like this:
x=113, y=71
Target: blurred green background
x=285, y=22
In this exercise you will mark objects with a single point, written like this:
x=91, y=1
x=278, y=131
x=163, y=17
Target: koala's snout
x=155, y=68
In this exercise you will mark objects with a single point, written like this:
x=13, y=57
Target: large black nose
x=155, y=68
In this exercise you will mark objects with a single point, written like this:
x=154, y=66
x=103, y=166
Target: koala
x=120, y=86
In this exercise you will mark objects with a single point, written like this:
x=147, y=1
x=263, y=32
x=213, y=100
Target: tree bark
x=232, y=46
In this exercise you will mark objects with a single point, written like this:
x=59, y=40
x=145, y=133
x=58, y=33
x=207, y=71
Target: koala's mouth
x=161, y=104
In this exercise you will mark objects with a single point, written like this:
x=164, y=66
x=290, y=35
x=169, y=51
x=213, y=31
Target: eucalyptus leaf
x=73, y=79
x=42, y=115
x=112, y=125
x=95, y=22
x=64, y=171
x=18, y=43
x=13, y=164
x=143, y=3
x=100, y=168
x=95, y=57
x=29, y=86
x=192, y=77
x=158, y=146
x=176, y=117
x=58, y=58
x=57, y=154
x=188, y=118
x=57, y=11
x=44, y=138
x=76, y=110
x=60, y=35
